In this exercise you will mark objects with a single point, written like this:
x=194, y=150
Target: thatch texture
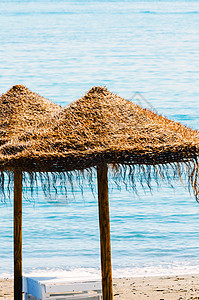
x=102, y=127
x=21, y=112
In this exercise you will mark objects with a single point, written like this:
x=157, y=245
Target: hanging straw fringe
x=129, y=176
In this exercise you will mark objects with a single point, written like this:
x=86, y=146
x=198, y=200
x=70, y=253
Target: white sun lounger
x=48, y=289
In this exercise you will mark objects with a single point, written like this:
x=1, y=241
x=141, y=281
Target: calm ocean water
x=60, y=49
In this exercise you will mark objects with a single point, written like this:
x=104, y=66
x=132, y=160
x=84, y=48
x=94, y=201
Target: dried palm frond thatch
x=102, y=127
x=21, y=111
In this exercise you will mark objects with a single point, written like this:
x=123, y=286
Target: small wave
x=167, y=12
x=77, y=274
x=158, y=270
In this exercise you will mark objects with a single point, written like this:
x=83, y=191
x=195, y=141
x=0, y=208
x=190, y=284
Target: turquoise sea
x=60, y=49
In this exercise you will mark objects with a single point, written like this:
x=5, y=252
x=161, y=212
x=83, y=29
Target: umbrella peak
x=18, y=88
x=97, y=94
x=21, y=97
x=21, y=110
x=98, y=97
x=98, y=89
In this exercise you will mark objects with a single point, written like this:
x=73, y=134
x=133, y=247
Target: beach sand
x=158, y=288
x=6, y=289
x=182, y=287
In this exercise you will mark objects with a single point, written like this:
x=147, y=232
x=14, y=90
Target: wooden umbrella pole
x=104, y=222
x=18, y=235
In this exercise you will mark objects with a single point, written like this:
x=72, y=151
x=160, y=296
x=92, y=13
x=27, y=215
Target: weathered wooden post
x=17, y=235
x=104, y=221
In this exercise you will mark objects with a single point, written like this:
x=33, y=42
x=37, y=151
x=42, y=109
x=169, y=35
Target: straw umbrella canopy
x=102, y=129
x=22, y=111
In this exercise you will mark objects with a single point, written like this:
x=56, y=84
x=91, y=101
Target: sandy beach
x=6, y=289
x=158, y=288
x=182, y=287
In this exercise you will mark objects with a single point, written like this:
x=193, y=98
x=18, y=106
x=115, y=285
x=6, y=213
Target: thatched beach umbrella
x=22, y=112
x=102, y=129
